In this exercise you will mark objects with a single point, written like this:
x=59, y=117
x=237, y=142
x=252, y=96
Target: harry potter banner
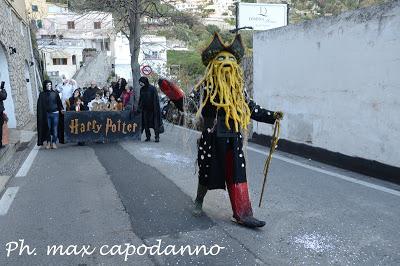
x=101, y=126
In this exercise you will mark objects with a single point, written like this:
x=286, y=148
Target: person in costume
x=49, y=117
x=126, y=95
x=113, y=105
x=149, y=106
x=97, y=103
x=3, y=97
x=78, y=105
x=90, y=93
x=119, y=88
x=226, y=112
x=71, y=101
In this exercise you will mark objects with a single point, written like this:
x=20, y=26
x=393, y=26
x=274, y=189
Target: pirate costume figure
x=226, y=112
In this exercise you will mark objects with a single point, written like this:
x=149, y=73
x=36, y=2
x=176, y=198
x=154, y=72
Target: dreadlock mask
x=224, y=86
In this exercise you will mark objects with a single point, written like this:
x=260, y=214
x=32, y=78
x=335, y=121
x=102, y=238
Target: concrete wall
x=15, y=68
x=337, y=80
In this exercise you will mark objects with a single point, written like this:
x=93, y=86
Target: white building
x=153, y=52
x=63, y=35
x=213, y=12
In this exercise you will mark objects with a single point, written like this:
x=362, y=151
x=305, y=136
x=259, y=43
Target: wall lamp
x=12, y=50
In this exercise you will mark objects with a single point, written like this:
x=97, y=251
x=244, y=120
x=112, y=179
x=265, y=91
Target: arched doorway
x=4, y=76
x=29, y=87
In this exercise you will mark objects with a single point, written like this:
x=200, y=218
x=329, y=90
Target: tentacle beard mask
x=224, y=86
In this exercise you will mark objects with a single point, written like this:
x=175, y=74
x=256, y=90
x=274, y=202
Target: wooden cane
x=274, y=143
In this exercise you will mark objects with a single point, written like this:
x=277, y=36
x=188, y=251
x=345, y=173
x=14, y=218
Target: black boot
x=249, y=221
x=198, y=203
x=241, y=206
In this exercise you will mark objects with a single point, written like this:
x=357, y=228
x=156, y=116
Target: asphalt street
x=140, y=193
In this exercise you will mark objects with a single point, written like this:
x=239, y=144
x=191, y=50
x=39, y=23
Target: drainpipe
x=34, y=63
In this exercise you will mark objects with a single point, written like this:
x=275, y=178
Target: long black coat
x=89, y=94
x=150, y=119
x=42, y=126
x=3, y=96
x=217, y=141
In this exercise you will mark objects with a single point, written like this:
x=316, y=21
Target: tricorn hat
x=217, y=45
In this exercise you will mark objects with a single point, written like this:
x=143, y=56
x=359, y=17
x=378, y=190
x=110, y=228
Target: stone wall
x=99, y=68
x=14, y=33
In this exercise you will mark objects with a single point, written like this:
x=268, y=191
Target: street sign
x=262, y=16
x=94, y=126
x=146, y=70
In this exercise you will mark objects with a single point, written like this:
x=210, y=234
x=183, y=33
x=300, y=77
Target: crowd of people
x=118, y=96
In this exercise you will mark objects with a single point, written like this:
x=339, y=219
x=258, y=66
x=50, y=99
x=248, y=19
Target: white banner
x=262, y=16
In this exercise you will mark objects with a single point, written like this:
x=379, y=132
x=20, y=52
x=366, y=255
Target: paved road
x=140, y=193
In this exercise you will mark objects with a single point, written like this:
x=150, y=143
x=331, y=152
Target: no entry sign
x=146, y=70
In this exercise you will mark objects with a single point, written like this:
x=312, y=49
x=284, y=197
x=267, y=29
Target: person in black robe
x=149, y=106
x=119, y=88
x=50, y=119
x=226, y=112
x=90, y=93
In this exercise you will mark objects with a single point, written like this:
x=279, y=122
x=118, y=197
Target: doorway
x=4, y=76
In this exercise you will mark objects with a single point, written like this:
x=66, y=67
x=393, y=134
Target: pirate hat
x=217, y=45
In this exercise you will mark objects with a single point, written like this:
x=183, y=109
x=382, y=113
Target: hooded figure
x=149, y=105
x=226, y=113
x=50, y=120
x=119, y=87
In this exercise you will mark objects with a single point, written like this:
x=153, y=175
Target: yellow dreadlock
x=223, y=83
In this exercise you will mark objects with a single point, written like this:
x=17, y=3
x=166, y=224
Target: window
x=35, y=8
x=60, y=61
x=71, y=25
x=74, y=59
x=39, y=24
x=97, y=25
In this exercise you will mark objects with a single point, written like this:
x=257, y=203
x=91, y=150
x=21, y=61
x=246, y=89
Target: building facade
x=153, y=53
x=63, y=36
x=17, y=64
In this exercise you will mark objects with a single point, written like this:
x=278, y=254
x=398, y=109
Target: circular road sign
x=146, y=70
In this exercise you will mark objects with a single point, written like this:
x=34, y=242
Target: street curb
x=6, y=153
x=3, y=182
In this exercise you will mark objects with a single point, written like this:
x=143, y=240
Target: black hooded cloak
x=149, y=105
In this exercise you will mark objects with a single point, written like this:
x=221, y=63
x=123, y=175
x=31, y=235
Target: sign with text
x=101, y=126
x=262, y=16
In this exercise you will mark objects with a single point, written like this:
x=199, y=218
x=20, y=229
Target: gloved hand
x=278, y=115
